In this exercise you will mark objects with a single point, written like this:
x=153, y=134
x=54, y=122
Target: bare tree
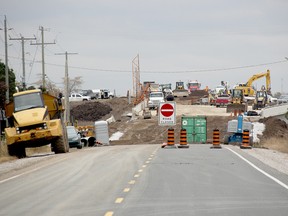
x=75, y=84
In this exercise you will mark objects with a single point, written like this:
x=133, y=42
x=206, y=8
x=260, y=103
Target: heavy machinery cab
x=31, y=99
x=28, y=101
x=180, y=85
x=261, y=100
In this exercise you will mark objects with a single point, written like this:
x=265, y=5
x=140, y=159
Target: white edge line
x=260, y=170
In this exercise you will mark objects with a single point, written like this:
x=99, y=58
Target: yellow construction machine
x=238, y=102
x=35, y=119
x=261, y=100
x=247, y=87
x=180, y=91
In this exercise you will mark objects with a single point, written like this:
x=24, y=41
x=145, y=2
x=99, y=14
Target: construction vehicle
x=88, y=136
x=193, y=86
x=261, y=100
x=35, y=119
x=238, y=102
x=180, y=91
x=155, y=98
x=222, y=100
x=235, y=131
x=248, y=88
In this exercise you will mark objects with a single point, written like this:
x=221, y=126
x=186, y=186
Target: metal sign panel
x=167, y=114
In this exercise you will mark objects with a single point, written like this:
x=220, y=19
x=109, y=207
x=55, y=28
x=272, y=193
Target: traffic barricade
x=183, y=139
x=216, y=139
x=245, y=140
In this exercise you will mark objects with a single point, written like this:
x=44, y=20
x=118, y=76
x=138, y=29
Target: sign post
x=167, y=114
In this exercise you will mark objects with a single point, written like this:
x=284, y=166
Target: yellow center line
x=110, y=213
x=136, y=176
x=126, y=190
x=119, y=200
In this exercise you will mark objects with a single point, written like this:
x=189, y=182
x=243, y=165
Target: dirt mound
x=90, y=111
x=199, y=93
x=274, y=128
x=87, y=112
x=275, y=135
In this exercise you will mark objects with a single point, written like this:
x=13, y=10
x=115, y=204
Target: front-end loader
x=35, y=119
x=237, y=102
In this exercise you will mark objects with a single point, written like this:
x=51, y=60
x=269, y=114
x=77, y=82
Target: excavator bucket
x=231, y=108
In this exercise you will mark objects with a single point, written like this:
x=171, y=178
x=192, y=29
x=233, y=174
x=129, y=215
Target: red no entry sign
x=167, y=110
x=167, y=114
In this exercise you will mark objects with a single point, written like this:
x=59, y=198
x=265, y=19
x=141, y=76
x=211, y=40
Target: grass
x=279, y=144
x=4, y=156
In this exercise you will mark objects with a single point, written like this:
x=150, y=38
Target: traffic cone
x=245, y=140
x=183, y=139
x=170, y=140
x=216, y=139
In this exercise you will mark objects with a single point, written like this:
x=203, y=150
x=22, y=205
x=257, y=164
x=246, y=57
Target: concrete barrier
x=138, y=108
x=279, y=111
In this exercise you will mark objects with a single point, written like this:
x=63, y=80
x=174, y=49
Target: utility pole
x=6, y=61
x=66, y=88
x=136, y=76
x=23, y=57
x=43, y=62
x=6, y=64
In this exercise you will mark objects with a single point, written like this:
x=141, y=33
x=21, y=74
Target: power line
x=187, y=71
x=155, y=71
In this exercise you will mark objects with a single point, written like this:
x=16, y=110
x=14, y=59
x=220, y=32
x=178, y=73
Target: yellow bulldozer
x=35, y=119
x=237, y=102
x=180, y=90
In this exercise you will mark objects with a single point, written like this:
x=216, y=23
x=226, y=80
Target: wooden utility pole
x=6, y=61
x=136, y=76
x=43, y=62
x=23, y=57
x=66, y=88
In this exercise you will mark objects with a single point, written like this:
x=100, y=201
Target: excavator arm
x=259, y=76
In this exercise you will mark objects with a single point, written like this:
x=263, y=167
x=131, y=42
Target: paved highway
x=146, y=180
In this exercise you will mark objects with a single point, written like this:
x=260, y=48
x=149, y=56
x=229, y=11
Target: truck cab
x=155, y=98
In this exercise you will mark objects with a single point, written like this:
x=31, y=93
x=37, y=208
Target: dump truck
x=35, y=119
x=193, y=86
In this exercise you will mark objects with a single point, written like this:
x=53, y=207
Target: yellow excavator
x=247, y=87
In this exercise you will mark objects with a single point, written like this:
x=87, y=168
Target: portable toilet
x=102, y=132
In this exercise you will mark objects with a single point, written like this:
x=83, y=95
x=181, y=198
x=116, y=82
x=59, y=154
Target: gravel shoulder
x=272, y=158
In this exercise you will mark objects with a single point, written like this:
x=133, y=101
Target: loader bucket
x=236, y=107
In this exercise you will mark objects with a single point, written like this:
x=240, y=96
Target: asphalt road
x=145, y=180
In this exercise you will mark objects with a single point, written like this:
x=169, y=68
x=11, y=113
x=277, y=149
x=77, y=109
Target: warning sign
x=167, y=114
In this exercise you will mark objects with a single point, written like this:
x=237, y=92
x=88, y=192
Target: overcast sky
x=175, y=39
